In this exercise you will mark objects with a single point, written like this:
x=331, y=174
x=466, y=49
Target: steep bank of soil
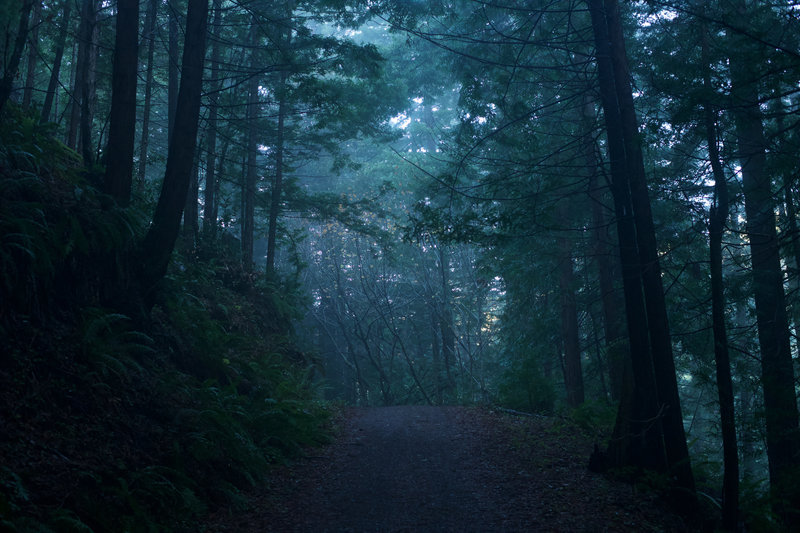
x=416, y=468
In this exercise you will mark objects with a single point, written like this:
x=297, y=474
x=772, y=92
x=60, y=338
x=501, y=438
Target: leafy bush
x=118, y=424
x=524, y=387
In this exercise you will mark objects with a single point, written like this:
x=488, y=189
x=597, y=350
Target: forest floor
x=437, y=469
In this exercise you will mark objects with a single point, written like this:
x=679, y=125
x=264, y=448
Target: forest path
x=437, y=469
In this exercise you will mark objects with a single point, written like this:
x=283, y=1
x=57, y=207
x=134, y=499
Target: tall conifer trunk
x=638, y=436
x=658, y=324
x=573, y=374
x=210, y=196
x=611, y=300
x=718, y=215
x=85, y=79
x=251, y=172
x=122, y=121
x=777, y=372
x=33, y=55
x=144, y=143
x=52, y=85
x=156, y=249
x=446, y=323
x=7, y=83
x=285, y=41
x=172, y=70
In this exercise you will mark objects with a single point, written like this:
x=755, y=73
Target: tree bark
x=159, y=242
x=777, y=373
x=144, y=143
x=122, y=121
x=172, y=71
x=658, y=324
x=85, y=80
x=573, y=374
x=7, y=83
x=718, y=215
x=251, y=175
x=33, y=55
x=638, y=436
x=446, y=323
x=52, y=85
x=616, y=344
x=210, y=196
x=277, y=186
x=75, y=95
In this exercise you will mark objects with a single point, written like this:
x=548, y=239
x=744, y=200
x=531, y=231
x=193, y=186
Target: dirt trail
x=439, y=469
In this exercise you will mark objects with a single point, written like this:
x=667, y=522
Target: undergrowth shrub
x=116, y=424
x=524, y=387
x=55, y=227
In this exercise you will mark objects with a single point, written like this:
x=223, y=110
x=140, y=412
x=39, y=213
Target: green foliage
x=55, y=228
x=524, y=387
x=150, y=422
x=596, y=418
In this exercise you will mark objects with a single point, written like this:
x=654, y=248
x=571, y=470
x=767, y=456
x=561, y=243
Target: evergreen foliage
x=136, y=426
x=517, y=204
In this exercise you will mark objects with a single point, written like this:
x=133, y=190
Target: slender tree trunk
x=221, y=160
x=7, y=83
x=446, y=323
x=172, y=71
x=149, y=37
x=191, y=210
x=285, y=40
x=777, y=373
x=717, y=219
x=677, y=449
x=210, y=197
x=85, y=80
x=277, y=185
x=249, y=191
x=616, y=344
x=75, y=95
x=638, y=436
x=122, y=121
x=573, y=373
x=159, y=242
x=52, y=86
x=436, y=351
x=33, y=55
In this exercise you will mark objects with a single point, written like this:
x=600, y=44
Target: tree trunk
x=658, y=324
x=777, y=373
x=638, y=437
x=446, y=323
x=221, y=160
x=149, y=37
x=436, y=352
x=172, y=71
x=7, y=83
x=277, y=187
x=716, y=226
x=210, y=197
x=85, y=80
x=573, y=374
x=33, y=56
x=75, y=95
x=191, y=210
x=249, y=189
x=159, y=242
x=122, y=121
x=52, y=86
x=611, y=301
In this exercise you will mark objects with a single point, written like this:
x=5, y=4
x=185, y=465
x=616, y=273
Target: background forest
x=218, y=218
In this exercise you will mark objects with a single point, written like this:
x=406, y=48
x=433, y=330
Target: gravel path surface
x=448, y=469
